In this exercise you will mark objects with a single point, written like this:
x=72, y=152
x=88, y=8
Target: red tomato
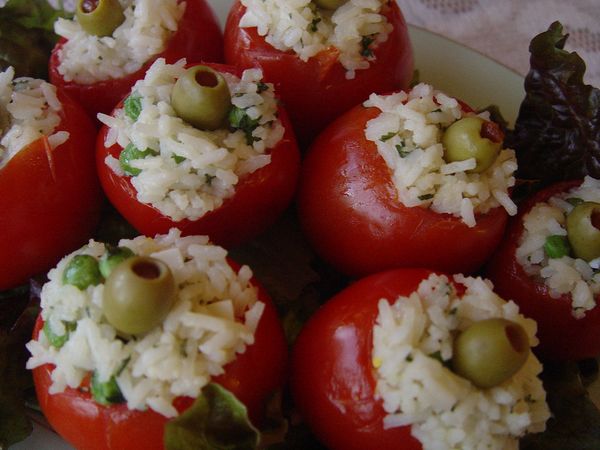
x=252, y=377
x=350, y=211
x=260, y=197
x=198, y=38
x=332, y=377
x=50, y=199
x=317, y=91
x=562, y=337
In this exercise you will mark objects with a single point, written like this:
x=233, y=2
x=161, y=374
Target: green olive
x=465, y=139
x=138, y=294
x=82, y=271
x=201, y=97
x=490, y=351
x=583, y=232
x=99, y=17
x=330, y=4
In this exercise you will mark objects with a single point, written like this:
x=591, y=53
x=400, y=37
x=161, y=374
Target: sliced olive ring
x=138, y=294
x=490, y=351
x=99, y=17
x=201, y=97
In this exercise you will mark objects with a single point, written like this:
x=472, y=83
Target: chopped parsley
x=365, y=44
x=130, y=153
x=240, y=120
x=388, y=136
x=402, y=151
x=425, y=197
x=575, y=201
x=313, y=25
x=208, y=178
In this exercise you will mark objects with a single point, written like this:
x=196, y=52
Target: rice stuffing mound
x=408, y=134
x=214, y=318
x=188, y=172
x=412, y=346
x=354, y=29
x=29, y=110
x=567, y=274
x=148, y=25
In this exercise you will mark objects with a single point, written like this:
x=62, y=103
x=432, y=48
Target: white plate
x=451, y=67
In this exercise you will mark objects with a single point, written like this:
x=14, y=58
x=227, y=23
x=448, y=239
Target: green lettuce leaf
x=15, y=380
x=27, y=36
x=557, y=133
x=575, y=422
x=216, y=421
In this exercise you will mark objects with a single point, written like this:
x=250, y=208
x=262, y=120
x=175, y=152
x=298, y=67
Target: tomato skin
x=260, y=197
x=332, y=377
x=198, y=38
x=349, y=210
x=562, y=337
x=50, y=199
x=252, y=377
x=316, y=91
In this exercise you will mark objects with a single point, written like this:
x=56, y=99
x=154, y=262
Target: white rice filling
x=214, y=318
x=148, y=25
x=208, y=164
x=446, y=411
x=566, y=275
x=408, y=134
x=29, y=110
x=354, y=29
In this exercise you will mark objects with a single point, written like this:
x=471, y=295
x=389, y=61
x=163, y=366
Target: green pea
x=133, y=106
x=82, y=271
x=138, y=294
x=490, y=351
x=131, y=153
x=202, y=98
x=464, y=140
x=557, y=246
x=330, y=4
x=583, y=232
x=99, y=17
x=58, y=340
x=112, y=257
x=105, y=392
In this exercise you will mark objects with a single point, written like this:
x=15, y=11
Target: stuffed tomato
x=49, y=192
x=324, y=57
x=407, y=180
x=408, y=359
x=110, y=44
x=224, y=164
x=548, y=263
x=135, y=340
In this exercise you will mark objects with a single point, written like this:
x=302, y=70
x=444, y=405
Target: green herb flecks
x=365, y=46
x=105, y=392
x=240, y=120
x=386, y=137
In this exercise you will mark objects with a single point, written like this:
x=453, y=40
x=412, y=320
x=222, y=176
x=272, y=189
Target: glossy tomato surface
x=317, y=91
x=332, y=376
x=259, y=198
x=562, y=337
x=198, y=38
x=252, y=377
x=50, y=199
x=350, y=211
